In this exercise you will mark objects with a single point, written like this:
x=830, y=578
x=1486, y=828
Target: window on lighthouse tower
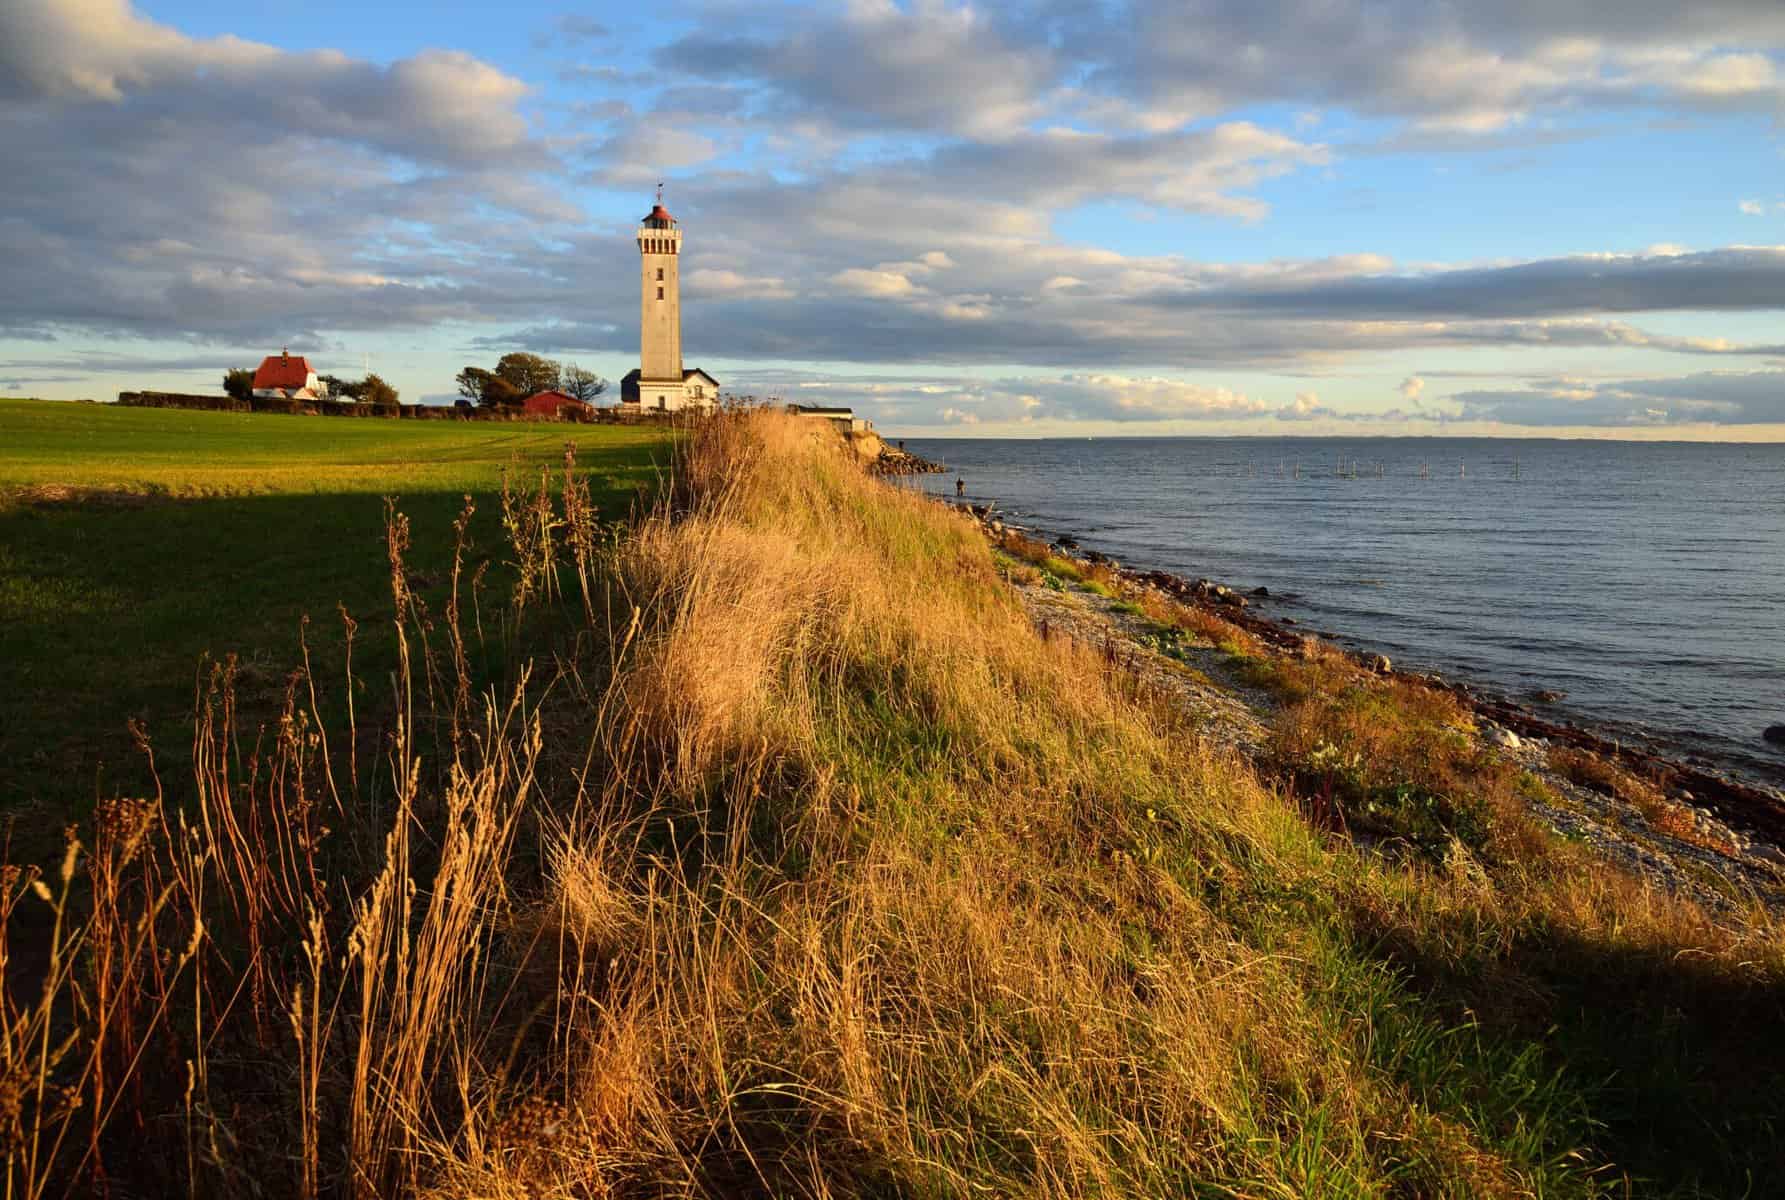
x=659, y=293
x=660, y=273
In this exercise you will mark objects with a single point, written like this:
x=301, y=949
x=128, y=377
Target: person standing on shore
x=960, y=486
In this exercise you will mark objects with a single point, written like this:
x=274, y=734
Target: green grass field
x=136, y=542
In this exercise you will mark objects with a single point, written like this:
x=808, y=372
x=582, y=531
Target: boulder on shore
x=1504, y=738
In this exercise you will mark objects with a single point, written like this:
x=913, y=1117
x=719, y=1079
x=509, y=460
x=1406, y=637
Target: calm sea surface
x=1647, y=581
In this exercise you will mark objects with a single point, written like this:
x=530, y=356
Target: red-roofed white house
x=283, y=377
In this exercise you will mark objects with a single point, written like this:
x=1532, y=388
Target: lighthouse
x=661, y=383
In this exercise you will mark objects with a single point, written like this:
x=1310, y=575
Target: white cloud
x=708, y=281
x=931, y=66
x=1122, y=398
x=153, y=183
x=1718, y=397
x=1202, y=170
x=1463, y=70
x=644, y=151
x=1717, y=76
x=1305, y=407
x=1752, y=208
x=881, y=285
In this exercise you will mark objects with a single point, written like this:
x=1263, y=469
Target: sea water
x=1644, y=580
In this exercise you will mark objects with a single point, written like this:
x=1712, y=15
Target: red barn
x=552, y=405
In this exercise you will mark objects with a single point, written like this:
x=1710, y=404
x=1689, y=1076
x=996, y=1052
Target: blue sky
x=1135, y=216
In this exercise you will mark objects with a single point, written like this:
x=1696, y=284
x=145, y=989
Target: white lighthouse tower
x=660, y=382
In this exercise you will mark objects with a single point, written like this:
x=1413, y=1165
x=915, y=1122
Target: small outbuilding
x=555, y=405
x=843, y=418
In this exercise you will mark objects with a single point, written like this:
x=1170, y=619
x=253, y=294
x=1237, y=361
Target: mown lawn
x=135, y=544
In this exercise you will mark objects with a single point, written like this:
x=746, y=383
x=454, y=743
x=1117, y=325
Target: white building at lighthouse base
x=695, y=389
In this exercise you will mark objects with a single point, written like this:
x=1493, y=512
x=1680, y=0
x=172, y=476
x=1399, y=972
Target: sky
x=1359, y=217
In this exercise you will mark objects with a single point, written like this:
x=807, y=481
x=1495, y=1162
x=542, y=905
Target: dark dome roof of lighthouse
x=659, y=218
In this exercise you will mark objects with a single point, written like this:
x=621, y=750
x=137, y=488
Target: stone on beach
x=1504, y=738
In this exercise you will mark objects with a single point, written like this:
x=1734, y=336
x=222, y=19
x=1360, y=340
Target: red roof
x=282, y=371
x=548, y=404
x=659, y=213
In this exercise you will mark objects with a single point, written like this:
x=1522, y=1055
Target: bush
x=202, y=403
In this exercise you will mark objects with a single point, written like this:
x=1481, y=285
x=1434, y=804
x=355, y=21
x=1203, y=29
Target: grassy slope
x=955, y=912
x=243, y=524
x=824, y=875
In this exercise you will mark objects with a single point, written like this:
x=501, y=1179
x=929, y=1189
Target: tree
x=239, y=382
x=528, y=374
x=474, y=384
x=373, y=390
x=338, y=387
x=500, y=392
x=487, y=388
x=584, y=385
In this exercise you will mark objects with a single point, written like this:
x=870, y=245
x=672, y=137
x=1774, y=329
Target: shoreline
x=1750, y=807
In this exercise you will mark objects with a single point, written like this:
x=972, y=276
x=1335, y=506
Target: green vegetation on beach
x=135, y=541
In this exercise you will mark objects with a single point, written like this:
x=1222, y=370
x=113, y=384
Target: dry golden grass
x=1603, y=775
x=1647, y=795
x=1211, y=627
x=1097, y=576
x=808, y=869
